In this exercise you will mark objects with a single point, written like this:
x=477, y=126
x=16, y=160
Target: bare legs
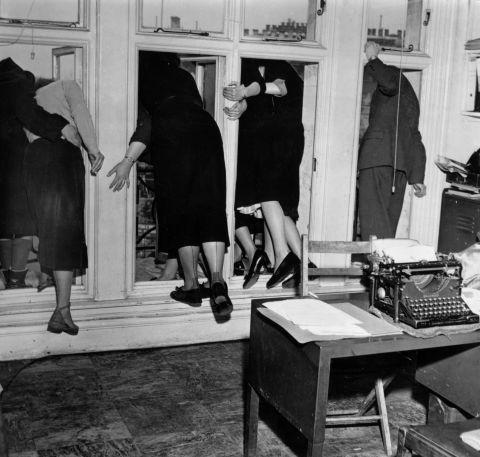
x=293, y=237
x=275, y=219
x=245, y=239
x=188, y=256
x=170, y=270
x=286, y=242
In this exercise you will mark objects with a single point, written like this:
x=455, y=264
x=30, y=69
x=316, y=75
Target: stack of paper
x=472, y=438
x=318, y=317
x=310, y=319
x=403, y=250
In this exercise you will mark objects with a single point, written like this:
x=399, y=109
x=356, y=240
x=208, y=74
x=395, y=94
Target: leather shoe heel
x=286, y=268
x=221, y=303
x=259, y=261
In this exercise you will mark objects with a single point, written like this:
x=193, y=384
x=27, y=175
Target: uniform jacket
x=378, y=144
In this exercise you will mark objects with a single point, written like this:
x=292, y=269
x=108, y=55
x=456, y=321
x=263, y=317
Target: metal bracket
x=428, y=15
x=409, y=49
x=183, y=32
x=323, y=7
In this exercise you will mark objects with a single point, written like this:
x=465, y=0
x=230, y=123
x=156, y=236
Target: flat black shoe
x=221, y=303
x=192, y=297
x=286, y=268
x=259, y=261
x=57, y=324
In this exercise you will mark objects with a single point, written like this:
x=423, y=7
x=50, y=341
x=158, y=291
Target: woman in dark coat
x=190, y=189
x=18, y=109
x=271, y=142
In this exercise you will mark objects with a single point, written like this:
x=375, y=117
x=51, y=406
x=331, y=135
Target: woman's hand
x=96, y=161
x=122, y=171
x=234, y=92
x=236, y=110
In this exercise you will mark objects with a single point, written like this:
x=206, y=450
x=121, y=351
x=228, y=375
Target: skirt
x=55, y=182
x=15, y=217
x=190, y=183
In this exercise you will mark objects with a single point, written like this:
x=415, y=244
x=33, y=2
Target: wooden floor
x=183, y=401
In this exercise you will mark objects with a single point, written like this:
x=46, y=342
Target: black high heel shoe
x=259, y=261
x=286, y=268
x=221, y=303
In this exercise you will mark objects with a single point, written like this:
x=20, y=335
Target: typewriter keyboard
x=427, y=312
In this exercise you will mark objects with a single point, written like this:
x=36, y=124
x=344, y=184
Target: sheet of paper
x=311, y=312
x=326, y=321
x=472, y=438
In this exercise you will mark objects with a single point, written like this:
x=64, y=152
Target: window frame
x=82, y=23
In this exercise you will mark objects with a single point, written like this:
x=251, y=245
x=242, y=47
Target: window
x=48, y=62
x=395, y=23
x=280, y=20
x=183, y=16
x=151, y=259
x=46, y=13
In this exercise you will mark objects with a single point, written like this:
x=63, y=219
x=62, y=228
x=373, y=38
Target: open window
x=297, y=156
x=369, y=86
x=46, y=62
x=150, y=260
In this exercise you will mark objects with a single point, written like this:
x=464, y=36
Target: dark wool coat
x=378, y=144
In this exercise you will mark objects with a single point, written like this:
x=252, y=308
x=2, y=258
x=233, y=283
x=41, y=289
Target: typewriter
x=420, y=294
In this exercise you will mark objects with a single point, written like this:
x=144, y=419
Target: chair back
x=330, y=247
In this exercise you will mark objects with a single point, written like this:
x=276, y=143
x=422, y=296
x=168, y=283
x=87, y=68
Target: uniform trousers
x=379, y=208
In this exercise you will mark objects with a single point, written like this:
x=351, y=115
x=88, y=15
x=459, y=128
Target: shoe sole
x=68, y=331
x=222, y=309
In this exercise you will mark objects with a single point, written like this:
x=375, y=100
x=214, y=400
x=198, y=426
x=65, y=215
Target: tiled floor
x=183, y=401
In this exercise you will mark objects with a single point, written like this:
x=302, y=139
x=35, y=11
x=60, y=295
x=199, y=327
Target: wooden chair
x=440, y=440
x=377, y=394
x=331, y=247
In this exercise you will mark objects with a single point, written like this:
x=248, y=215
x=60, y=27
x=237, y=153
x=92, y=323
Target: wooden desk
x=294, y=378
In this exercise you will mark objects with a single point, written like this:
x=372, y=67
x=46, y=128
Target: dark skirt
x=15, y=218
x=55, y=181
x=269, y=158
x=190, y=185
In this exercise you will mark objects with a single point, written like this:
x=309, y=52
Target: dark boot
x=16, y=279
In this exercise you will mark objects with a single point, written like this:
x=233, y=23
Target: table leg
x=315, y=445
x=251, y=427
x=314, y=449
x=3, y=437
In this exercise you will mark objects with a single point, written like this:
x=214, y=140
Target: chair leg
x=402, y=451
x=251, y=426
x=382, y=409
x=371, y=397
